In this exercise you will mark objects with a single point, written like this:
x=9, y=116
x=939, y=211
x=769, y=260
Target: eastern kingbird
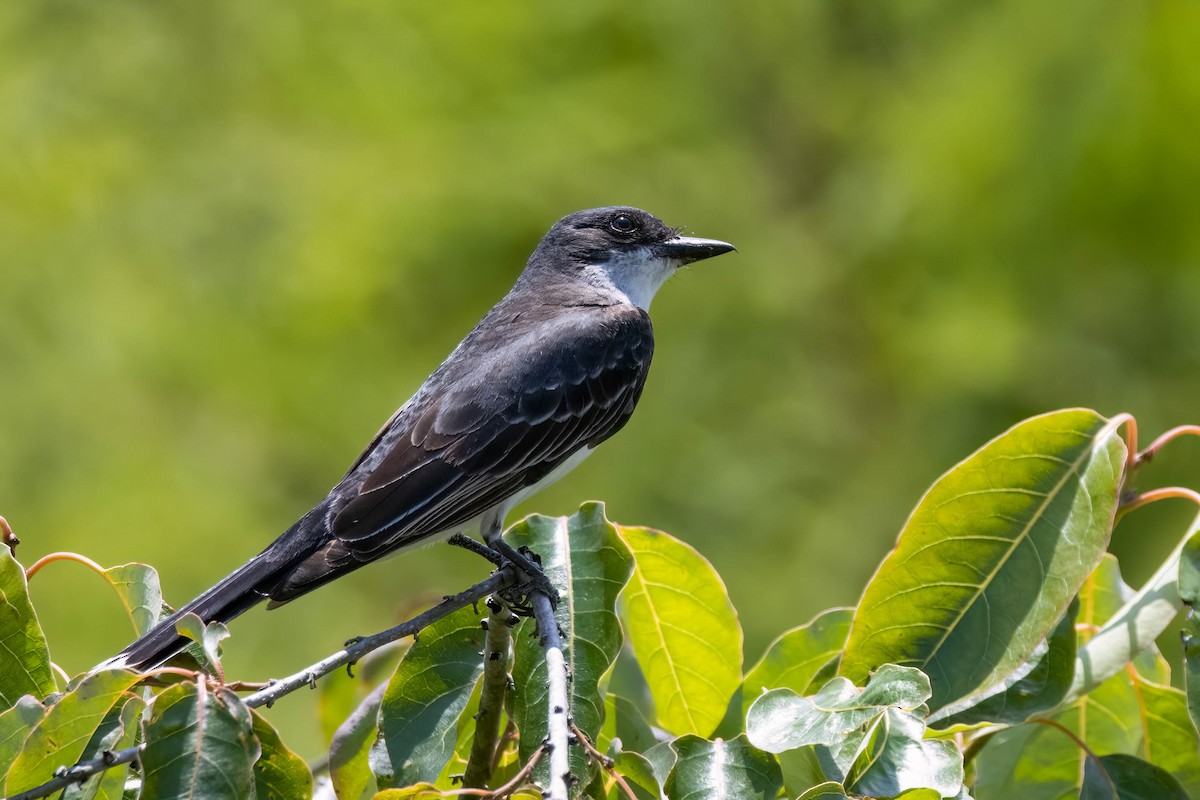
x=554, y=369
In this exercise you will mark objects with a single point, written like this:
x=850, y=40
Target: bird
x=554, y=369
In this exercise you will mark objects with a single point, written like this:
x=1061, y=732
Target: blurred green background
x=233, y=237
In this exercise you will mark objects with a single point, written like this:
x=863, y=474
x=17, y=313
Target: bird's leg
x=492, y=527
x=478, y=548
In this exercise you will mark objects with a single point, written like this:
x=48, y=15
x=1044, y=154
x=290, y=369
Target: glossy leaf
x=24, y=657
x=992, y=555
x=830, y=790
x=1191, y=676
x=1133, y=628
x=207, y=635
x=418, y=718
x=279, y=774
x=903, y=760
x=137, y=586
x=339, y=694
x=638, y=772
x=350, y=749
x=1037, y=686
x=683, y=630
x=1129, y=713
x=1122, y=777
x=624, y=723
x=730, y=769
x=119, y=730
x=200, y=744
x=783, y=720
x=1189, y=569
x=61, y=736
x=589, y=563
x=16, y=724
x=796, y=656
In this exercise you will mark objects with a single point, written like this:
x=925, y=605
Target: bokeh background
x=233, y=237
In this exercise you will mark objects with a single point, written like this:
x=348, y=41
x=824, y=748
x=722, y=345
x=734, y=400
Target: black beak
x=686, y=249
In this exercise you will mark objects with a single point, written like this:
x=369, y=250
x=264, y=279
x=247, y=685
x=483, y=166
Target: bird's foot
x=530, y=565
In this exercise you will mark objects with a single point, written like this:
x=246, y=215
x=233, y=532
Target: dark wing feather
x=478, y=434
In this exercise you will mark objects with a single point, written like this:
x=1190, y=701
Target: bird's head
x=623, y=249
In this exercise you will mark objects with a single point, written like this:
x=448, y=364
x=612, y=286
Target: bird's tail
x=240, y=591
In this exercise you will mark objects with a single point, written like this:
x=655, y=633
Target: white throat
x=637, y=275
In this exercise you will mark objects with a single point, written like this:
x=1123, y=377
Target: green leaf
x=730, y=769
x=279, y=774
x=118, y=731
x=208, y=635
x=1134, y=627
x=992, y=555
x=15, y=726
x=903, y=760
x=339, y=694
x=137, y=586
x=1039, y=685
x=1189, y=569
x=1126, y=714
x=350, y=749
x=638, y=772
x=830, y=790
x=1122, y=777
x=589, y=564
x=61, y=736
x=200, y=745
x=1191, y=665
x=418, y=718
x=624, y=723
x=24, y=657
x=783, y=720
x=796, y=656
x=683, y=630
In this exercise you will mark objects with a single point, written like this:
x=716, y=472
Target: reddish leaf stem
x=63, y=556
x=1174, y=433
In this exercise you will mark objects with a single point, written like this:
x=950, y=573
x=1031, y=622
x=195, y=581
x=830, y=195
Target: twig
x=556, y=686
x=491, y=697
x=501, y=579
x=356, y=649
x=522, y=775
x=604, y=761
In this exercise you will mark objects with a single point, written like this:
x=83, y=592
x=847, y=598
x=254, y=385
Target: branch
x=556, y=685
x=496, y=656
x=356, y=649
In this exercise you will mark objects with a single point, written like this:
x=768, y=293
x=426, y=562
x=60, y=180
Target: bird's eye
x=623, y=223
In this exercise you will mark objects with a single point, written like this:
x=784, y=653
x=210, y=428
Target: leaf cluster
x=996, y=652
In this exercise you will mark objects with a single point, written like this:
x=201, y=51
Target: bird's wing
x=568, y=381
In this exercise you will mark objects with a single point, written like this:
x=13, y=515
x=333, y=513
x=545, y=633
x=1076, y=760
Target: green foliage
x=998, y=599
x=24, y=657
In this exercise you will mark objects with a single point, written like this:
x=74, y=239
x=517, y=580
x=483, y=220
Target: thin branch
x=522, y=775
x=496, y=655
x=500, y=579
x=603, y=760
x=357, y=648
x=556, y=686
